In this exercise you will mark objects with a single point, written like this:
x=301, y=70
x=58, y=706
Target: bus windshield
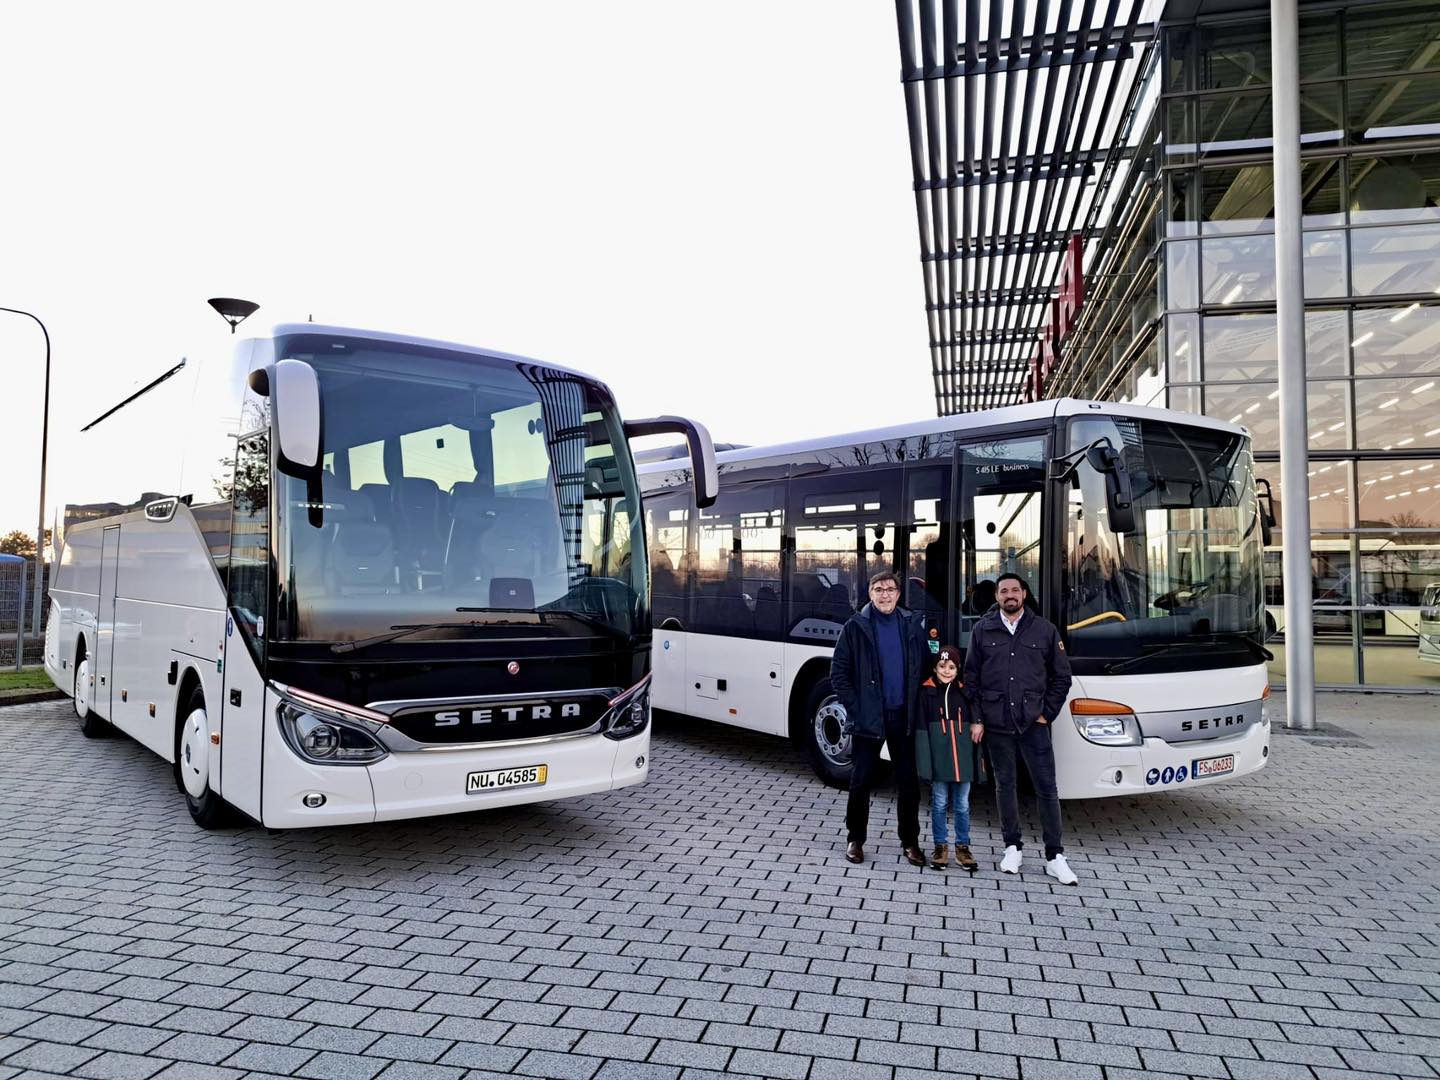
x=1190, y=572
x=476, y=495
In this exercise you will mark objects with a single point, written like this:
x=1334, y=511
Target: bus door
x=930, y=548
x=103, y=671
x=1001, y=482
x=242, y=710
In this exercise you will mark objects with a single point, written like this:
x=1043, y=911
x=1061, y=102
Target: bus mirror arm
x=705, y=473
x=1109, y=463
x=1266, y=501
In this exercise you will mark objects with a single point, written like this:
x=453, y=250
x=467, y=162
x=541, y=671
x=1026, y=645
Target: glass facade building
x=1180, y=305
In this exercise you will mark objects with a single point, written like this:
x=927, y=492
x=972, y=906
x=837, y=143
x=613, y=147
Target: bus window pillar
x=1290, y=320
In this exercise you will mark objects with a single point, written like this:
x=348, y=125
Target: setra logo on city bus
x=1214, y=722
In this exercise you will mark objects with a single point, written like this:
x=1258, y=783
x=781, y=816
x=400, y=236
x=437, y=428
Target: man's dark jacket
x=1012, y=679
x=855, y=671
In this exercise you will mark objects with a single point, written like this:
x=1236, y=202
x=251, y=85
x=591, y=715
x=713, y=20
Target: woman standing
x=946, y=755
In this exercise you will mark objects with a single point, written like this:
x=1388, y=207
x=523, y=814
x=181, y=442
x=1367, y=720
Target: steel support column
x=1290, y=344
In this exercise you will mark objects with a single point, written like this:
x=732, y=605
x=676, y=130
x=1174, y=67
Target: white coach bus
x=1139, y=531
x=350, y=577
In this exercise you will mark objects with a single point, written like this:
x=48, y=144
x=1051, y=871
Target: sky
x=706, y=205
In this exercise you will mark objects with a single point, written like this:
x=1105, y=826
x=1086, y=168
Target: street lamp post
x=40, y=527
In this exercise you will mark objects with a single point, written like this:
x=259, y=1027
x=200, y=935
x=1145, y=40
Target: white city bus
x=1139, y=531
x=348, y=577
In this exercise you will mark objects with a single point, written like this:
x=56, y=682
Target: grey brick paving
x=1285, y=927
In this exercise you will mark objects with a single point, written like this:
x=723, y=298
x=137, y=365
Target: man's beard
x=1010, y=605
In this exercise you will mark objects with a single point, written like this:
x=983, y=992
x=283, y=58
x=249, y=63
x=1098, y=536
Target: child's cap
x=948, y=652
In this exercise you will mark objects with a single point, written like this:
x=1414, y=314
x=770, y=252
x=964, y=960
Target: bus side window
x=930, y=544
x=250, y=534
x=738, y=553
x=845, y=530
x=669, y=514
x=1001, y=483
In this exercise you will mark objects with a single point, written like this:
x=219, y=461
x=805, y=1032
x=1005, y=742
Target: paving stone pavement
x=1287, y=925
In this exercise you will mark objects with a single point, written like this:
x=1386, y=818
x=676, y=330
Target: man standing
x=1017, y=677
x=876, y=673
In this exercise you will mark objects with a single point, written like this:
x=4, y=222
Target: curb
x=29, y=697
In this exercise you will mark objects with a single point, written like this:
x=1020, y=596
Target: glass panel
x=1400, y=494
x=1184, y=187
x=668, y=515
x=1190, y=570
x=1239, y=199
x=1185, y=398
x=1400, y=259
x=250, y=535
x=1257, y=406
x=1179, y=127
x=1324, y=254
x=1238, y=269
x=1397, y=341
x=1329, y=492
x=1393, y=38
x=1240, y=347
x=548, y=522
x=1184, y=347
x=1243, y=346
x=845, y=530
x=1402, y=646
x=1241, y=123
x=1000, y=496
x=1327, y=343
x=1182, y=267
x=1236, y=55
x=1396, y=413
x=1396, y=107
x=1322, y=193
x=929, y=551
x=1398, y=187
x=736, y=586
x=1400, y=576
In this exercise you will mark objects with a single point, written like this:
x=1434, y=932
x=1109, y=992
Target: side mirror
x=704, y=471
x=1266, y=502
x=294, y=393
x=1111, y=464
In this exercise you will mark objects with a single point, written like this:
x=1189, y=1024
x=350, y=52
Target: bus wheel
x=192, y=766
x=826, y=740
x=91, y=725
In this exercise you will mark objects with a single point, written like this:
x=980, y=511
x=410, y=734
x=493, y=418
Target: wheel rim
x=195, y=754
x=831, y=739
x=82, y=689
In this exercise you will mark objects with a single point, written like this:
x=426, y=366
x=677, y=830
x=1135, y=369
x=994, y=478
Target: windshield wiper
x=400, y=631
x=609, y=629
x=1259, y=651
x=1154, y=651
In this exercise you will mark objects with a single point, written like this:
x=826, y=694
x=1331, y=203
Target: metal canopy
x=1018, y=113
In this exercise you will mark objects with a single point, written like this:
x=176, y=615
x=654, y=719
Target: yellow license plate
x=494, y=779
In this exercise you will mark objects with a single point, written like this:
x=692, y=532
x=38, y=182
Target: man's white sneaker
x=1060, y=870
x=1010, y=864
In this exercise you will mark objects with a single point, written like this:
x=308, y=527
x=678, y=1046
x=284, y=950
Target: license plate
x=491, y=780
x=1212, y=766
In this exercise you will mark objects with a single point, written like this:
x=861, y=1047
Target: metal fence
x=17, y=584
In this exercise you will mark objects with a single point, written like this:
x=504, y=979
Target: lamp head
x=233, y=311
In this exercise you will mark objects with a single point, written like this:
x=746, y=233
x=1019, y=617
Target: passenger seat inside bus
x=362, y=555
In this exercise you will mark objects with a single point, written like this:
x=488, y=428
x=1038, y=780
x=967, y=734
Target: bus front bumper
x=1160, y=766
x=430, y=783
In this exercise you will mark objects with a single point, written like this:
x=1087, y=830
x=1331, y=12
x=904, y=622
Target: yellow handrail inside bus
x=1104, y=615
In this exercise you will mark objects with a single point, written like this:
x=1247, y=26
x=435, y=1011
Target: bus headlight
x=326, y=738
x=629, y=712
x=1105, y=723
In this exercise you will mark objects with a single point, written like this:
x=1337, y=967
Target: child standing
x=945, y=755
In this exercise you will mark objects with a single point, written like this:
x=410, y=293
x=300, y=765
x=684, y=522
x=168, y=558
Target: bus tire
x=827, y=744
x=192, y=765
x=91, y=724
